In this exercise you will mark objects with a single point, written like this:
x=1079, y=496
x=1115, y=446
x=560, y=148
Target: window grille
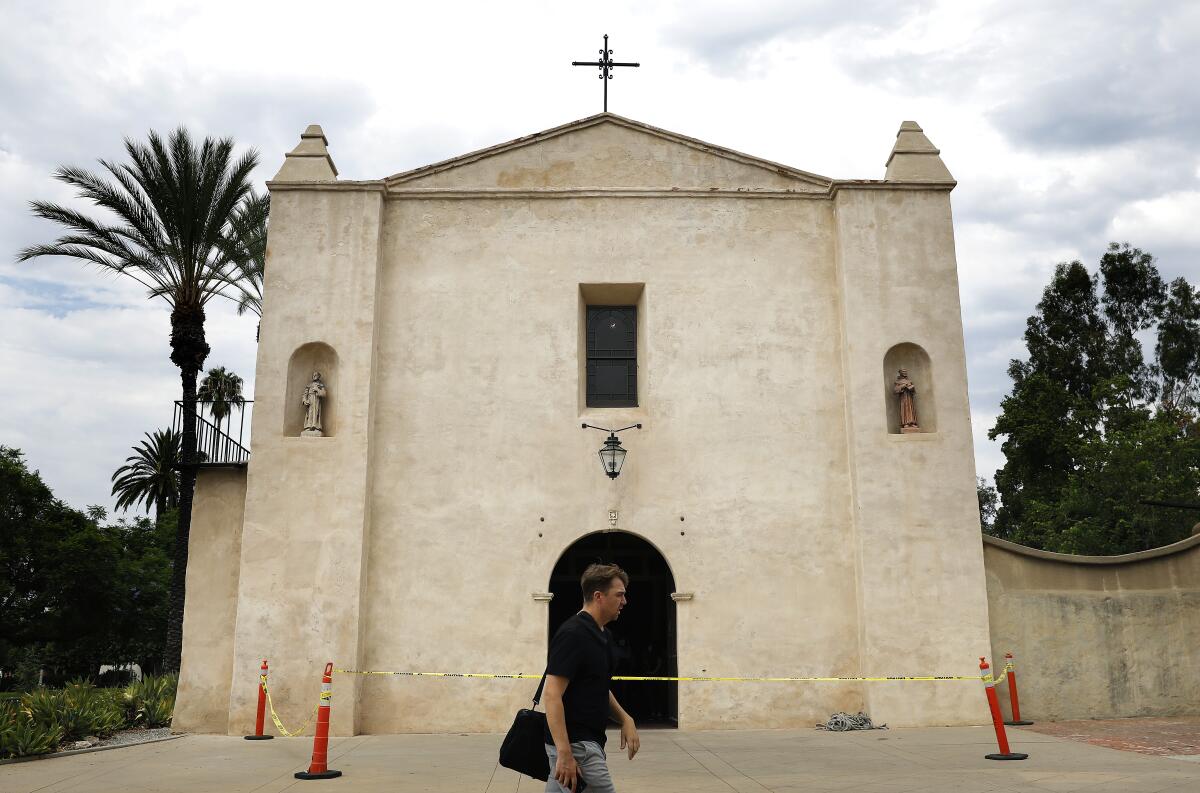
x=612, y=356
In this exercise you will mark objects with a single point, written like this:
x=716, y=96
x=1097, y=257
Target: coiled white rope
x=843, y=722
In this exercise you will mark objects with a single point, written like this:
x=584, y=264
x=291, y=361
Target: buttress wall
x=921, y=595
x=301, y=578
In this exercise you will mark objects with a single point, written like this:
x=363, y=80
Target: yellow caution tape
x=675, y=679
x=1003, y=676
x=325, y=695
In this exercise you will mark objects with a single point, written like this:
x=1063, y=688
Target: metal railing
x=216, y=441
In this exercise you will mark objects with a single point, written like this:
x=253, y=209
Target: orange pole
x=262, y=707
x=319, y=768
x=1013, y=700
x=989, y=686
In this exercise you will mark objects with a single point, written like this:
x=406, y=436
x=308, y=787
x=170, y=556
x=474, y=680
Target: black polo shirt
x=581, y=652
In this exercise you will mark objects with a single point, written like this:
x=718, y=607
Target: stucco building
x=467, y=317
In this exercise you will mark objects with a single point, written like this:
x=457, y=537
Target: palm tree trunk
x=188, y=351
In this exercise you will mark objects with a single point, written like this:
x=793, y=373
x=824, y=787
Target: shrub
x=78, y=711
x=42, y=706
x=20, y=735
x=151, y=701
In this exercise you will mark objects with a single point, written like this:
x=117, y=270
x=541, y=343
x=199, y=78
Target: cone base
x=1009, y=756
x=319, y=775
x=1021, y=723
x=258, y=737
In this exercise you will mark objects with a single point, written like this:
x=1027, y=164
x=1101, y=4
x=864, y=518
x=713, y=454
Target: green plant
x=78, y=711
x=10, y=711
x=151, y=701
x=24, y=737
x=43, y=706
x=21, y=736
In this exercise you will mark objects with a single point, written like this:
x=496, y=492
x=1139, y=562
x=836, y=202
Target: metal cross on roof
x=606, y=63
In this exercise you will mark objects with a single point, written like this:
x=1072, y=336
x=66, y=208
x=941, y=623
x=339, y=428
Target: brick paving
x=1157, y=736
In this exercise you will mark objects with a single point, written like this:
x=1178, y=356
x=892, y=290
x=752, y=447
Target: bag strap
x=538, y=696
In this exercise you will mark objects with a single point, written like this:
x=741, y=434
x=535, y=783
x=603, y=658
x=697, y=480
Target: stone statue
x=314, y=392
x=905, y=390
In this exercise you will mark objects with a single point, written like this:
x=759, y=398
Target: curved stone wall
x=1097, y=636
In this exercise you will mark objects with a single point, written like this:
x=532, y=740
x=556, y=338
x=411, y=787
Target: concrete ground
x=927, y=759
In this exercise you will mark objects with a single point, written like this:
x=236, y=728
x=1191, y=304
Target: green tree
x=75, y=593
x=246, y=248
x=989, y=501
x=1091, y=429
x=222, y=389
x=1177, y=351
x=170, y=208
x=150, y=477
x=1051, y=406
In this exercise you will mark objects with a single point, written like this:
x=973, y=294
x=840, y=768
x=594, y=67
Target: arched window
x=611, y=356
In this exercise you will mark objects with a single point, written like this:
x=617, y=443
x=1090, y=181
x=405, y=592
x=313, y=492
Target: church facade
x=793, y=504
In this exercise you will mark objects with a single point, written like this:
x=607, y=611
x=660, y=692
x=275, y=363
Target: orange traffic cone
x=989, y=687
x=1013, y=700
x=319, y=769
x=262, y=707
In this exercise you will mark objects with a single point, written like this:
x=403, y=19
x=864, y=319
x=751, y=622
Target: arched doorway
x=644, y=636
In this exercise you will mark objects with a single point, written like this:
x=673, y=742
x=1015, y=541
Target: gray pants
x=593, y=767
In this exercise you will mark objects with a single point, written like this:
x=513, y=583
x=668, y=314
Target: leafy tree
x=1051, y=407
x=1091, y=428
x=989, y=501
x=75, y=593
x=1177, y=350
x=171, y=206
x=149, y=476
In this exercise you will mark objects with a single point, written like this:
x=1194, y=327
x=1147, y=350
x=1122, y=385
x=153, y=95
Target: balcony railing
x=222, y=436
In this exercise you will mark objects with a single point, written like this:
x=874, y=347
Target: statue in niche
x=904, y=389
x=314, y=392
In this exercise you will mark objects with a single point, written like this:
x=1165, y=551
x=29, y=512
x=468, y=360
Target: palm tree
x=150, y=476
x=246, y=248
x=221, y=389
x=172, y=206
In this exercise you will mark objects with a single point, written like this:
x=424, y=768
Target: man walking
x=578, y=699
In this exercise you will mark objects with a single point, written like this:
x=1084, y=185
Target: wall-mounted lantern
x=612, y=456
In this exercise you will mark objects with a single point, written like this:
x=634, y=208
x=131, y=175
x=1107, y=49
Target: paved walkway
x=1164, y=736
x=929, y=759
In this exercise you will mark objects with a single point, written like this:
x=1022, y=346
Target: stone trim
x=880, y=184
x=451, y=193
x=1069, y=558
x=408, y=193
x=346, y=186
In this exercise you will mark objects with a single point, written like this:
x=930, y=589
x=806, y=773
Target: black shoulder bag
x=524, y=748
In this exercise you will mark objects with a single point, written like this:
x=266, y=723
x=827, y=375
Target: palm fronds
x=148, y=478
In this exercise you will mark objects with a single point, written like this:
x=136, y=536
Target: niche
x=915, y=361
x=308, y=358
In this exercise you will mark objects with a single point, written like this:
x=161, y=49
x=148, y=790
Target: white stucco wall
x=817, y=543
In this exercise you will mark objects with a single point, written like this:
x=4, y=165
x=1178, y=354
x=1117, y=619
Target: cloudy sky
x=1066, y=124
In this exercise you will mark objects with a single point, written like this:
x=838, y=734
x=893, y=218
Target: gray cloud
x=1065, y=76
x=725, y=38
x=1084, y=111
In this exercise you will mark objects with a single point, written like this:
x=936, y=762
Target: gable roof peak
x=607, y=117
